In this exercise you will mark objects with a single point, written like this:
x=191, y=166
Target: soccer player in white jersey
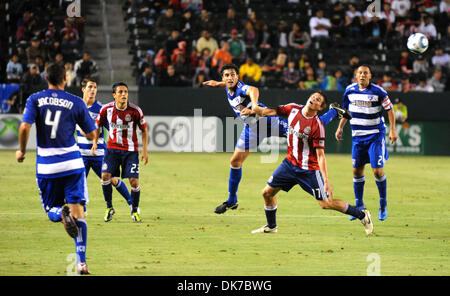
x=89, y=89
x=305, y=164
x=366, y=102
x=60, y=171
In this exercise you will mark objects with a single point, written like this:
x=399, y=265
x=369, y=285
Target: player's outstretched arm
x=253, y=93
x=24, y=133
x=262, y=111
x=214, y=83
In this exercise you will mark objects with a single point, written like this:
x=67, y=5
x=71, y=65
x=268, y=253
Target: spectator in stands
x=440, y=59
x=387, y=16
x=341, y=80
x=170, y=78
x=53, y=49
x=437, y=81
x=319, y=25
x=274, y=63
x=194, y=5
x=31, y=81
x=231, y=22
x=199, y=78
x=282, y=35
x=427, y=28
x=401, y=8
x=423, y=86
x=405, y=85
x=388, y=83
x=405, y=64
x=353, y=21
x=14, y=69
x=201, y=67
x=337, y=20
x=39, y=61
x=237, y=47
x=147, y=78
x=421, y=66
x=310, y=83
x=35, y=49
x=206, y=22
x=257, y=22
x=266, y=37
x=400, y=111
x=51, y=35
x=85, y=68
x=250, y=72
x=182, y=69
x=221, y=56
x=188, y=26
x=207, y=41
x=69, y=35
x=291, y=76
x=321, y=71
x=70, y=74
x=250, y=37
x=26, y=25
x=166, y=23
x=147, y=61
x=299, y=40
x=172, y=41
x=161, y=60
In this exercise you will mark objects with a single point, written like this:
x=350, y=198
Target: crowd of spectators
x=296, y=49
x=40, y=33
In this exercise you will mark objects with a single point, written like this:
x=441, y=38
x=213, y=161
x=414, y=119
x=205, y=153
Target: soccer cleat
x=108, y=214
x=359, y=208
x=82, y=268
x=367, y=222
x=225, y=206
x=382, y=213
x=265, y=229
x=341, y=111
x=69, y=222
x=135, y=217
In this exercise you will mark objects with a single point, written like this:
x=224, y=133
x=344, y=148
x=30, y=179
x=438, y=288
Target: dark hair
x=229, y=66
x=115, y=85
x=367, y=66
x=86, y=81
x=55, y=74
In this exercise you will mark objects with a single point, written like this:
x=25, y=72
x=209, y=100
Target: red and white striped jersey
x=122, y=125
x=304, y=135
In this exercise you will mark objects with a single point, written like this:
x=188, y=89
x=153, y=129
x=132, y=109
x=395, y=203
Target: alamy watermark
x=74, y=9
x=374, y=9
x=374, y=268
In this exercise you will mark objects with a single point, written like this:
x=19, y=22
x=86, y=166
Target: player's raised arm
x=263, y=111
x=253, y=93
x=214, y=83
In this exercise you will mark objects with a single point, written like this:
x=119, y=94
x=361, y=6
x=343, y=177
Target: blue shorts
x=116, y=161
x=252, y=135
x=55, y=192
x=373, y=151
x=94, y=163
x=288, y=175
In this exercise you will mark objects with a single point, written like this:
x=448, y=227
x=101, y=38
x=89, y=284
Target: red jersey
x=304, y=135
x=122, y=125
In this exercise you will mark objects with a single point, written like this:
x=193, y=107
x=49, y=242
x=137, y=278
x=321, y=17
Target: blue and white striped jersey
x=56, y=113
x=85, y=144
x=240, y=100
x=366, y=107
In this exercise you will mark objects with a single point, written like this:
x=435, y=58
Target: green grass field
x=181, y=235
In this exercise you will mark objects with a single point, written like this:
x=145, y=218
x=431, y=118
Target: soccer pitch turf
x=181, y=235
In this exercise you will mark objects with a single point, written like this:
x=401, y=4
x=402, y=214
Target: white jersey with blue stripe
x=366, y=107
x=86, y=144
x=56, y=113
x=239, y=100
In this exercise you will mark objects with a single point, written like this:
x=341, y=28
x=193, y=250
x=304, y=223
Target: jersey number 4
x=53, y=123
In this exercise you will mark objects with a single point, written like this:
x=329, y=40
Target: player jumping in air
x=89, y=89
x=305, y=163
x=241, y=97
x=366, y=101
x=122, y=152
x=60, y=171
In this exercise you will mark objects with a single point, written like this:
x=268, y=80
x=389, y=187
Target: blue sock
x=81, y=240
x=382, y=184
x=123, y=190
x=329, y=116
x=353, y=211
x=135, y=197
x=55, y=214
x=233, y=184
x=107, y=192
x=358, y=188
x=271, y=215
